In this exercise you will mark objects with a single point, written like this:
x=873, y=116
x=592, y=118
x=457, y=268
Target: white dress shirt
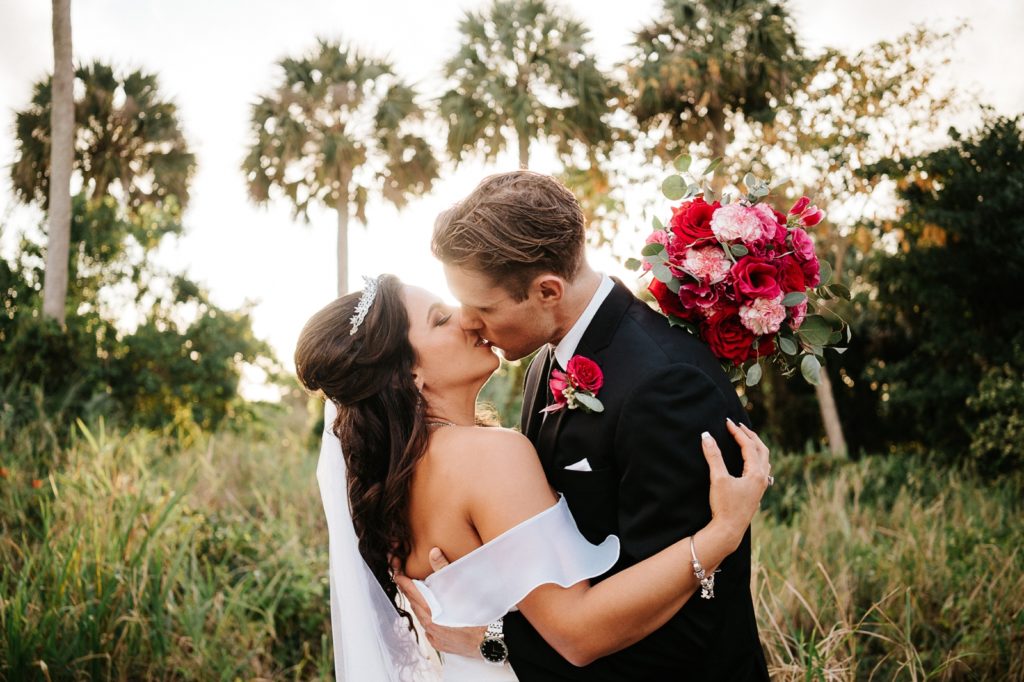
x=566, y=348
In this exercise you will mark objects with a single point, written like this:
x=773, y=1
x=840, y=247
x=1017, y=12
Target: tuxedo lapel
x=534, y=393
x=597, y=336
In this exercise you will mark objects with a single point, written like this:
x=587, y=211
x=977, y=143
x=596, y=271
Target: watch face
x=494, y=650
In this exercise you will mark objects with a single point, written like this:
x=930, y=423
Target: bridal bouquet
x=743, y=277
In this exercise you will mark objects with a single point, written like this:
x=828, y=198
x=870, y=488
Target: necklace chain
x=440, y=422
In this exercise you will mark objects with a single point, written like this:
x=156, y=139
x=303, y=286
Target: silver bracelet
x=707, y=582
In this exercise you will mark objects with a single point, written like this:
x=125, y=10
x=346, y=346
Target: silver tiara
x=370, y=285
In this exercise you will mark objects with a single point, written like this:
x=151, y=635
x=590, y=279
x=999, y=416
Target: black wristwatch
x=493, y=648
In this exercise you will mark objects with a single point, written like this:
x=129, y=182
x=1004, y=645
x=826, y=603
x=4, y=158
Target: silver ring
x=771, y=480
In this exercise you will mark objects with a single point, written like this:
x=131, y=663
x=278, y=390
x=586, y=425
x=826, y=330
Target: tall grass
x=888, y=568
x=134, y=559
x=132, y=555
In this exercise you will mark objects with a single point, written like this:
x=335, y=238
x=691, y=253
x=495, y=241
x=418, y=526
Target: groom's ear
x=549, y=287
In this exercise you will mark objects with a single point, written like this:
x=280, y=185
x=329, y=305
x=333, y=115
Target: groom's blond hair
x=513, y=227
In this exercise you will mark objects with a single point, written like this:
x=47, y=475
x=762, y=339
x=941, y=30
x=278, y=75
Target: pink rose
x=584, y=374
x=764, y=315
x=769, y=223
x=755, y=278
x=737, y=222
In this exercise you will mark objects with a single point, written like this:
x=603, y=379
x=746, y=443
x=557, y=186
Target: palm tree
x=337, y=126
x=704, y=61
x=524, y=70
x=128, y=142
x=62, y=157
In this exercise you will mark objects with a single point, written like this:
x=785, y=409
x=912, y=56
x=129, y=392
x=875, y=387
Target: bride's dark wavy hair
x=381, y=416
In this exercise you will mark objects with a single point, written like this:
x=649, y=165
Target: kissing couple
x=608, y=539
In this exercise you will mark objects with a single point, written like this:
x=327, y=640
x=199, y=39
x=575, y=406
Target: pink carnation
x=764, y=315
x=707, y=263
x=737, y=221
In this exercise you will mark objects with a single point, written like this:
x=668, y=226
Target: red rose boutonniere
x=577, y=386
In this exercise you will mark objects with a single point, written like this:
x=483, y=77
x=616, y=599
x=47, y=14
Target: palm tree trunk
x=830, y=415
x=823, y=390
x=524, y=149
x=342, y=208
x=62, y=157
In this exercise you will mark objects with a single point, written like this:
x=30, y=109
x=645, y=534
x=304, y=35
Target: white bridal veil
x=372, y=643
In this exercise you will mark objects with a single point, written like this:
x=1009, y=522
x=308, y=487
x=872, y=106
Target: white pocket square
x=582, y=465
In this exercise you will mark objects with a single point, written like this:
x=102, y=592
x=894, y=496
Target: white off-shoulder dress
x=487, y=583
x=373, y=644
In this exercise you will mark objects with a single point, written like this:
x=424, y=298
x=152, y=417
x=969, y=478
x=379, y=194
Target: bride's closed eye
x=442, y=320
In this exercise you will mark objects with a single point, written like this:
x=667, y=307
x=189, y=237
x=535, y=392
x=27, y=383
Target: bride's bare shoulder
x=471, y=448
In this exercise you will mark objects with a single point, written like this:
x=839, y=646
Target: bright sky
x=213, y=57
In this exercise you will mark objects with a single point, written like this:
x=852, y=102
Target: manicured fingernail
x=730, y=421
x=706, y=436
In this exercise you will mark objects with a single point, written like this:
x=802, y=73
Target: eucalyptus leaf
x=826, y=273
x=715, y=163
x=835, y=338
x=662, y=273
x=590, y=402
x=811, y=369
x=658, y=225
x=840, y=291
x=673, y=285
x=787, y=345
x=793, y=298
x=652, y=249
x=674, y=187
x=749, y=180
x=633, y=263
x=815, y=330
x=709, y=194
x=739, y=250
x=682, y=162
x=754, y=375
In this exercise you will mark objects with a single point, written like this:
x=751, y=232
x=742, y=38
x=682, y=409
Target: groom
x=513, y=253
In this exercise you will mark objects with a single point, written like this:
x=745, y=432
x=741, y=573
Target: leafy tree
x=702, y=63
x=946, y=290
x=337, y=126
x=524, y=70
x=128, y=141
x=62, y=156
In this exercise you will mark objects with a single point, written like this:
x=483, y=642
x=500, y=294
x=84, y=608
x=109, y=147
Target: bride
x=401, y=379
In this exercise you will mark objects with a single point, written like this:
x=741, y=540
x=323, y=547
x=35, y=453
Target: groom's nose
x=469, y=320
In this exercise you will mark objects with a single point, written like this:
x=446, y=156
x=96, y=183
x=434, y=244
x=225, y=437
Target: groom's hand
x=459, y=641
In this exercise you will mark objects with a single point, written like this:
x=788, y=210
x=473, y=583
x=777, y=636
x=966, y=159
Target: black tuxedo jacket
x=649, y=485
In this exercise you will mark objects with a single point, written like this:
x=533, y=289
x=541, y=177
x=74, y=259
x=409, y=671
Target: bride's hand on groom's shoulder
x=458, y=641
x=734, y=500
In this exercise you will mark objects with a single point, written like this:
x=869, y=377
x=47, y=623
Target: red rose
x=755, y=278
x=669, y=302
x=791, y=275
x=691, y=221
x=585, y=374
x=728, y=339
